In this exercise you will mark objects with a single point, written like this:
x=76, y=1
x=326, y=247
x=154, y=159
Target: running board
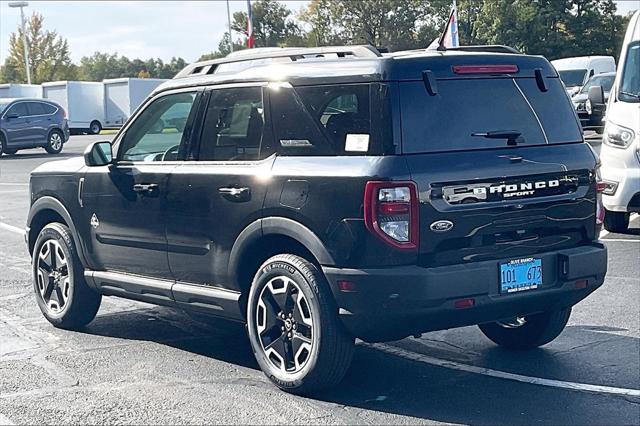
x=205, y=299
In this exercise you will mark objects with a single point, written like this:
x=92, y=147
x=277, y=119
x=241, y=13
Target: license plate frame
x=518, y=275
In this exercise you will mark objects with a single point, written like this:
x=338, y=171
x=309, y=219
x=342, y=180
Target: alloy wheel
x=54, y=282
x=284, y=324
x=55, y=141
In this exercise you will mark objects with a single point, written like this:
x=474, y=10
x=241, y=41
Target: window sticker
x=357, y=143
x=294, y=143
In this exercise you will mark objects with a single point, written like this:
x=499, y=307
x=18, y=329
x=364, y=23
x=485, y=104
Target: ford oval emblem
x=441, y=226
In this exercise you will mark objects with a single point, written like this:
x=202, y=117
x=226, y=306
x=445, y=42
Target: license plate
x=520, y=275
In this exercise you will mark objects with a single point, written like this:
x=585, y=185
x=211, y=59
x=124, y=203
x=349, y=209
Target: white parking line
x=11, y=228
x=620, y=240
x=13, y=184
x=581, y=387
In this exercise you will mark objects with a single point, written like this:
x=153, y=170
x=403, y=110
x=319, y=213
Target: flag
x=250, y=41
x=451, y=36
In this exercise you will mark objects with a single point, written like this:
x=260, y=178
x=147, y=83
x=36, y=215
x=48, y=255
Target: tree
x=49, y=57
x=273, y=25
x=553, y=28
x=395, y=24
x=99, y=66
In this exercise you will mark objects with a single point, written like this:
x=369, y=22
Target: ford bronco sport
x=323, y=195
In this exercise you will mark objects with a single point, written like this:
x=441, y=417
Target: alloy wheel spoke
x=48, y=289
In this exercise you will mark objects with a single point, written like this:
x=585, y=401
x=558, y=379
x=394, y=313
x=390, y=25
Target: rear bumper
x=392, y=303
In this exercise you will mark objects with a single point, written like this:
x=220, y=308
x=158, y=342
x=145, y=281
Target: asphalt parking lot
x=138, y=363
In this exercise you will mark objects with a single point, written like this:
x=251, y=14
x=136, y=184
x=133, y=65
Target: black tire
x=82, y=303
x=537, y=330
x=95, y=127
x=600, y=130
x=10, y=151
x=55, y=142
x=329, y=355
x=617, y=222
x=3, y=145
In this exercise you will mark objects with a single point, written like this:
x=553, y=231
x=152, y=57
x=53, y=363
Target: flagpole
x=229, y=25
x=250, y=41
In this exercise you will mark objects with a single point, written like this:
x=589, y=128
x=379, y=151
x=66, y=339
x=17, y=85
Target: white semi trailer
x=12, y=90
x=123, y=95
x=82, y=100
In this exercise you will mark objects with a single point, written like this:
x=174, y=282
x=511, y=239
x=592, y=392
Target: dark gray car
x=32, y=123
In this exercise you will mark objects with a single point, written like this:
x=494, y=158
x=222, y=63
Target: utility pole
x=229, y=25
x=22, y=5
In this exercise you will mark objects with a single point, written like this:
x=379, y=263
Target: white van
x=82, y=100
x=574, y=72
x=620, y=154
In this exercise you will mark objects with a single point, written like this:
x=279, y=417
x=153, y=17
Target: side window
x=20, y=108
x=296, y=131
x=233, y=126
x=156, y=134
x=48, y=108
x=36, y=108
x=343, y=112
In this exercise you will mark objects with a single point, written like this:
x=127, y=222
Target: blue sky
x=142, y=29
x=137, y=29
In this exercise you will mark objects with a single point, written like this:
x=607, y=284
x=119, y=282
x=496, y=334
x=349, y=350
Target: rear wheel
x=95, y=127
x=3, y=145
x=63, y=296
x=529, y=331
x=54, y=142
x=616, y=221
x=294, y=329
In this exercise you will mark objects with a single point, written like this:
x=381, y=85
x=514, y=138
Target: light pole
x=229, y=22
x=21, y=5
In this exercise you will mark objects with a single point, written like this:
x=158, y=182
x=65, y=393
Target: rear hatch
x=495, y=147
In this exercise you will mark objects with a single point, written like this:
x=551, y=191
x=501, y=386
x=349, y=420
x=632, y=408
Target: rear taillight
x=485, y=69
x=391, y=213
x=64, y=113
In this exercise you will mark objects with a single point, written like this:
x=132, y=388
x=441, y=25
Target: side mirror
x=12, y=115
x=596, y=95
x=98, y=154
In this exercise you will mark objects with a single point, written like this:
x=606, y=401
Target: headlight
x=617, y=136
x=587, y=107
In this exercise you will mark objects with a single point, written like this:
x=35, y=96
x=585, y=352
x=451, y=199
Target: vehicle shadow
x=388, y=383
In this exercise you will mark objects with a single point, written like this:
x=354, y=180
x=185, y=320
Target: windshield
x=630, y=81
x=466, y=109
x=572, y=78
x=606, y=81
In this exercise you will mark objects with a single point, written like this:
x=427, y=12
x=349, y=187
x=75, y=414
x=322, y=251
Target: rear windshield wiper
x=513, y=137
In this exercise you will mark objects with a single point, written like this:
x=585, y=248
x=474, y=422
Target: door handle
x=235, y=194
x=145, y=188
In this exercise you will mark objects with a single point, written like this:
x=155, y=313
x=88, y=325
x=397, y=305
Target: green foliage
x=48, y=55
x=273, y=25
x=99, y=66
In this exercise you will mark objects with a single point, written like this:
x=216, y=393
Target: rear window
x=463, y=109
x=572, y=78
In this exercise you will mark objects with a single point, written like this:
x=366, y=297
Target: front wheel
x=62, y=293
x=529, y=331
x=617, y=222
x=294, y=329
x=54, y=142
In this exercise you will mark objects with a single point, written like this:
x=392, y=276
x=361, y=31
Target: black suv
x=323, y=195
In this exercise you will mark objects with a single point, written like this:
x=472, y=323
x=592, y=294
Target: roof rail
x=495, y=48
x=266, y=53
